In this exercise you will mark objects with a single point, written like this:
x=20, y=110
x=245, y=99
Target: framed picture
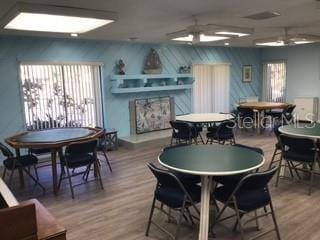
x=247, y=73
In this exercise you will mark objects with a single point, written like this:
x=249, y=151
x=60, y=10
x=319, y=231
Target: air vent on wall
x=262, y=15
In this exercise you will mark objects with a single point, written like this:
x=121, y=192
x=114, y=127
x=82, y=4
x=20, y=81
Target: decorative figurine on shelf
x=153, y=63
x=120, y=67
x=185, y=69
x=180, y=82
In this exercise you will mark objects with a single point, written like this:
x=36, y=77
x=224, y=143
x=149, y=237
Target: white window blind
x=274, y=81
x=61, y=95
x=211, y=88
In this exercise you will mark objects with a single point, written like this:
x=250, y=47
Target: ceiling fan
x=287, y=39
x=208, y=33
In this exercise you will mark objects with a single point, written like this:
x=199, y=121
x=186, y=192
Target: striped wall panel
x=17, y=49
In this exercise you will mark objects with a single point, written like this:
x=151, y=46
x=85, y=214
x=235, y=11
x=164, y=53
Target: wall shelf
x=150, y=82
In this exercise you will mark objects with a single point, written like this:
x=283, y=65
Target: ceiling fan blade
x=181, y=33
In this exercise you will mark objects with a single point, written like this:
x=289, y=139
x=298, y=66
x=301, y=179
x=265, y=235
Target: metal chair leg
x=239, y=219
x=11, y=177
x=180, y=219
x=150, y=215
x=257, y=220
x=36, y=172
x=311, y=180
x=70, y=182
x=273, y=157
x=107, y=160
x=274, y=221
x=4, y=173
x=98, y=173
x=278, y=171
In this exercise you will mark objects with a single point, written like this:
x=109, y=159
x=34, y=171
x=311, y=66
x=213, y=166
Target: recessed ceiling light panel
x=47, y=18
x=54, y=23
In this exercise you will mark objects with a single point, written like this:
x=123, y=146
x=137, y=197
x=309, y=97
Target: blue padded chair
x=183, y=132
x=79, y=155
x=300, y=154
x=25, y=162
x=185, y=178
x=223, y=133
x=277, y=147
x=171, y=192
x=246, y=116
x=249, y=195
x=233, y=180
x=286, y=114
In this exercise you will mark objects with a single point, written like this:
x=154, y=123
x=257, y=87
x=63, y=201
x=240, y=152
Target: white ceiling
x=151, y=20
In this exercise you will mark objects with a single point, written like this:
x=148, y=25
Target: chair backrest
x=255, y=181
x=77, y=148
x=165, y=177
x=226, y=127
x=180, y=127
x=289, y=109
x=6, y=151
x=297, y=145
x=244, y=112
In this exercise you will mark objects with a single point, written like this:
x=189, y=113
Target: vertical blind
x=211, y=88
x=274, y=81
x=61, y=95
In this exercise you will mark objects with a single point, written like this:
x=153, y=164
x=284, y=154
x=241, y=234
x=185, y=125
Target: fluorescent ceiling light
x=207, y=38
x=203, y=38
x=52, y=18
x=239, y=34
x=54, y=23
x=303, y=41
x=271, y=44
x=188, y=38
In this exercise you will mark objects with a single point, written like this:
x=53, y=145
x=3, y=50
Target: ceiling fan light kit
x=208, y=33
x=288, y=40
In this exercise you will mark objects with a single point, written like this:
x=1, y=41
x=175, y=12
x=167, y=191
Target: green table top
x=54, y=135
x=309, y=130
x=214, y=160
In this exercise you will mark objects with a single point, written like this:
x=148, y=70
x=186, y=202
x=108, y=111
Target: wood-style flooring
x=120, y=211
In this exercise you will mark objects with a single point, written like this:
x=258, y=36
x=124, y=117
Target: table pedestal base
x=206, y=182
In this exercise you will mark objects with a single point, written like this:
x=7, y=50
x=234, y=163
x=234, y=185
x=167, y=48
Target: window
x=61, y=95
x=211, y=88
x=274, y=81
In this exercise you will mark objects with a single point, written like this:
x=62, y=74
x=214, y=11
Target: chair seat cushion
x=246, y=200
x=187, y=179
x=78, y=160
x=173, y=197
x=24, y=160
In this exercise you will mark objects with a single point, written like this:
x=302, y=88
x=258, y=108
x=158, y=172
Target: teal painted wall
x=303, y=64
x=14, y=50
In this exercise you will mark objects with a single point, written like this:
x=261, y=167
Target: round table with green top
x=308, y=130
x=54, y=139
x=208, y=161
